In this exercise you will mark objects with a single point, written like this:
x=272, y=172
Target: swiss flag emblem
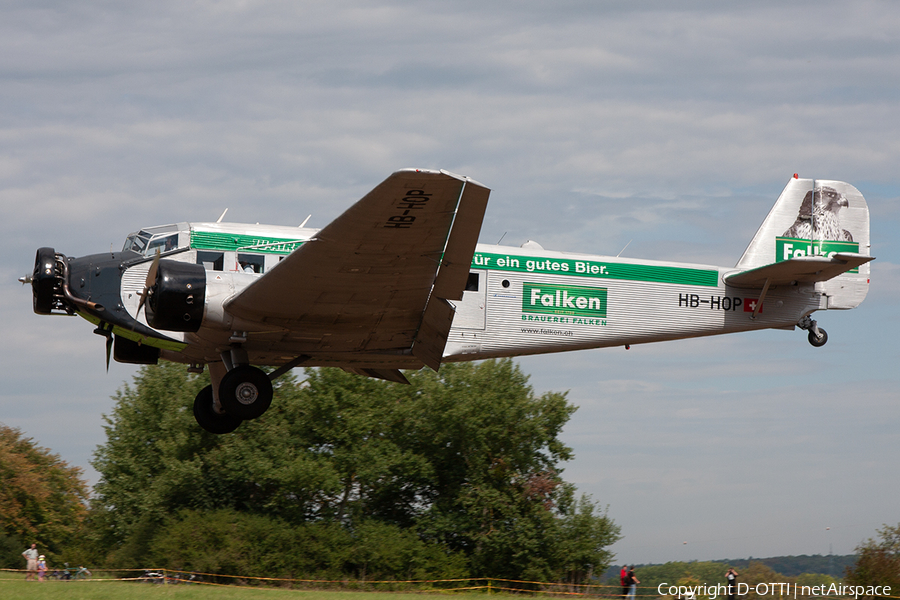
x=750, y=304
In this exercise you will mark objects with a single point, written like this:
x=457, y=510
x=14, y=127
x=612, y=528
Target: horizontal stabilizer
x=805, y=269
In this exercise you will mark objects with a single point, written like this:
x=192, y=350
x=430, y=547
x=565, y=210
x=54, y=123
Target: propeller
x=106, y=331
x=151, y=279
x=109, y=345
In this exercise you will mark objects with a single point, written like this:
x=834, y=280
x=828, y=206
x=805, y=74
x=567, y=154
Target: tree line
x=455, y=475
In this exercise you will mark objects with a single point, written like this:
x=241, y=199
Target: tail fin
x=833, y=221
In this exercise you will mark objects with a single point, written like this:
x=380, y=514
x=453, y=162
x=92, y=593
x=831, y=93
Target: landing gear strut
x=817, y=336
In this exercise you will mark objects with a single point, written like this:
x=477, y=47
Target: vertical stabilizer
x=833, y=220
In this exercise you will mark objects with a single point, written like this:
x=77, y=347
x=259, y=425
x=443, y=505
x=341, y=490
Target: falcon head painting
x=822, y=223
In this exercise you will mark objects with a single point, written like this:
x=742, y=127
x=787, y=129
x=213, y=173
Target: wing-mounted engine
x=176, y=298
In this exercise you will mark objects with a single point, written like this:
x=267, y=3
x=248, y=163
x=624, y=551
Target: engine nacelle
x=46, y=282
x=176, y=299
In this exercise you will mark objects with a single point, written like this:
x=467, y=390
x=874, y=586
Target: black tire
x=818, y=342
x=208, y=418
x=245, y=392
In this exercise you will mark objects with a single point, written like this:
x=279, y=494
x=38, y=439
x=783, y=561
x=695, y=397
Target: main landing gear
x=244, y=393
x=209, y=418
x=817, y=336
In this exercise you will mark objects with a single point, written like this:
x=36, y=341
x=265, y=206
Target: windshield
x=137, y=242
x=147, y=244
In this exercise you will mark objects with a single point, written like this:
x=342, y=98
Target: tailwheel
x=208, y=418
x=817, y=336
x=245, y=392
x=817, y=340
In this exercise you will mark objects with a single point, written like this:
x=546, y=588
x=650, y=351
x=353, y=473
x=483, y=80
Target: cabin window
x=211, y=261
x=472, y=283
x=251, y=263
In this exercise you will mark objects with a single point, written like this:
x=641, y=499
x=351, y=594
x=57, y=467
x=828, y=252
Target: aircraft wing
x=378, y=277
x=806, y=269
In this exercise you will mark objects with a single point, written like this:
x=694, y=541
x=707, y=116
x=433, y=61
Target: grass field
x=117, y=590
x=14, y=587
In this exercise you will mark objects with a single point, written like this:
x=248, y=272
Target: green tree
x=878, y=561
x=585, y=534
x=464, y=463
x=42, y=498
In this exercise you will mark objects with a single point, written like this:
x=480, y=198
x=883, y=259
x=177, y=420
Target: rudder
x=833, y=220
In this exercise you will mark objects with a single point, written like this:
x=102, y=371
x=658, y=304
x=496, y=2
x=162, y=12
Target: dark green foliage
x=455, y=474
x=878, y=561
x=11, y=548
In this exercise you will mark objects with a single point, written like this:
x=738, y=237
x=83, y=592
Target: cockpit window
x=163, y=242
x=137, y=242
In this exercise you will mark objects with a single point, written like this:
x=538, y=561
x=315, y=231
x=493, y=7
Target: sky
x=665, y=130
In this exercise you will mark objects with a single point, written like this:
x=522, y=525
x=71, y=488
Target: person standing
x=623, y=579
x=31, y=560
x=731, y=576
x=41, y=567
x=632, y=583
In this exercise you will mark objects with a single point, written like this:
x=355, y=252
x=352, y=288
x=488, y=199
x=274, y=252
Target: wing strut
x=762, y=295
x=287, y=367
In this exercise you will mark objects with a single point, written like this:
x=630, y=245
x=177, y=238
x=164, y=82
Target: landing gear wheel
x=818, y=341
x=245, y=392
x=208, y=418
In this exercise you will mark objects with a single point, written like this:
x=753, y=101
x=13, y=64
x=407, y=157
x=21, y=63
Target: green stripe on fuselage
x=596, y=269
x=227, y=242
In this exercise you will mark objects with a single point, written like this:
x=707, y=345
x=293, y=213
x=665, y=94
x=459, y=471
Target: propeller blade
x=148, y=283
x=109, y=345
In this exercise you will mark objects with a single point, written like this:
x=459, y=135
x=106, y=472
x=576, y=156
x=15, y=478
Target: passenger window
x=211, y=261
x=252, y=263
x=472, y=283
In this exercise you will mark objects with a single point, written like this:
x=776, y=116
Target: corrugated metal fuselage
x=519, y=301
x=533, y=302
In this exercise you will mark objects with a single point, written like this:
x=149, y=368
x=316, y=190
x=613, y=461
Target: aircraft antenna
x=623, y=249
x=219, y=220
x=501, y=237
x=303, y=224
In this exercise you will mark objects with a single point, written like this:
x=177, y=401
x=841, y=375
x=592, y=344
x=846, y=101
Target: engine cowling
x=46, y=282
x=176, y=300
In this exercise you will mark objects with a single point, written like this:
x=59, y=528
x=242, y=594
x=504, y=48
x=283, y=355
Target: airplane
x=399, y=282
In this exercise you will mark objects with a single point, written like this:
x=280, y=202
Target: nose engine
x=48, y=282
